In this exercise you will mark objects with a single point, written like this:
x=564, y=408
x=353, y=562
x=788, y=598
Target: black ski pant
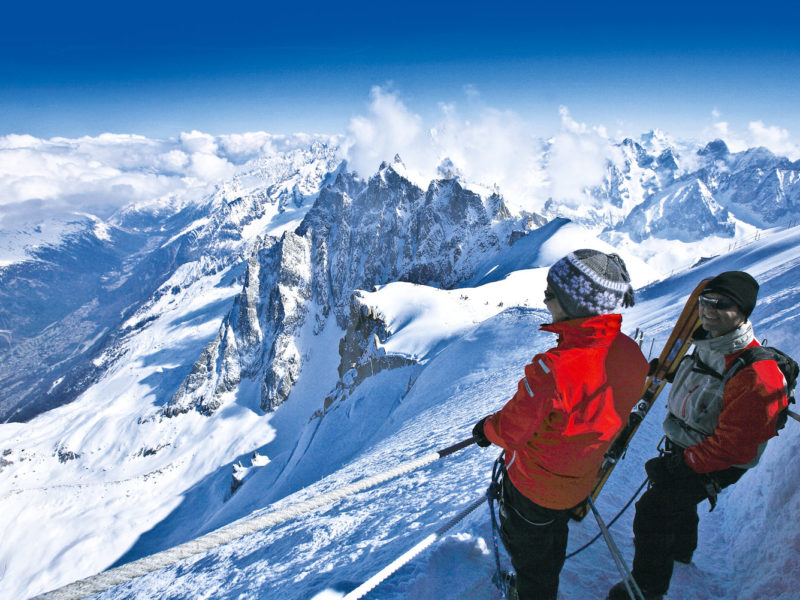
x=536, y=540
x=665, y=525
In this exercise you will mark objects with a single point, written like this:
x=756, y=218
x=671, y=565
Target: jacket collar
x=732, y=342
x=587, y=331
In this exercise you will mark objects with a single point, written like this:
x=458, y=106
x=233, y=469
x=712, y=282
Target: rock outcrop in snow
x=361, y=351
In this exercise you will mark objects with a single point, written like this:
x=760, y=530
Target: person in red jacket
x=571, y=403
x=715, y=431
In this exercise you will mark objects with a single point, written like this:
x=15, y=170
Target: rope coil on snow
x=225, y=535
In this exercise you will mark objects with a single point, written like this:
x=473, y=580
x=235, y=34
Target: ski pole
x=630, y=583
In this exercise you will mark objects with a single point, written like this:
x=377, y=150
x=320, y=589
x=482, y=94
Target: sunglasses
x=548, y=295
x=716, y=303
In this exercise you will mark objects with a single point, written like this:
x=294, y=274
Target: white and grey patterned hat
x=590, y=282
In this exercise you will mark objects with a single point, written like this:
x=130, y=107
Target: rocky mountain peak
x=715, y=148
x=355, y=236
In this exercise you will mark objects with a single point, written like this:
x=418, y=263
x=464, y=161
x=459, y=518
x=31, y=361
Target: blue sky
x=159, y=68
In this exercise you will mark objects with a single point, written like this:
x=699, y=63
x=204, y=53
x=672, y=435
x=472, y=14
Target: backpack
x=786, y=364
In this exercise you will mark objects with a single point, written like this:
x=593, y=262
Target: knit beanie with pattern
x=590, y=282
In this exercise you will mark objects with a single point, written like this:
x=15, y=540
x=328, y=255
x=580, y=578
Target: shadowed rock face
x=357, y=235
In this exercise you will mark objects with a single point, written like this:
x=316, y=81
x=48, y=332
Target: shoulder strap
x=747, y=357
x=700, y=367
x=785, y=363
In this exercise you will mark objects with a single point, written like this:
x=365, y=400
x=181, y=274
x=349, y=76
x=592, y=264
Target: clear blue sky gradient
x=159, y=68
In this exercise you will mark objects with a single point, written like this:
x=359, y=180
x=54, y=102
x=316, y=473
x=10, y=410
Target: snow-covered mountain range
x=174, y=367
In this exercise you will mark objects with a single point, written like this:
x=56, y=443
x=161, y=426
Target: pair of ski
x=674, y=350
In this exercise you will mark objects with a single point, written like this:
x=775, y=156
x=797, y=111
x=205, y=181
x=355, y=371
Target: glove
x=480, y=437
x=668, y=467
x=668, y=377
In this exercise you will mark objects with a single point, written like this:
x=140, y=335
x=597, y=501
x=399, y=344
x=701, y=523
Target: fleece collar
x=730, y=343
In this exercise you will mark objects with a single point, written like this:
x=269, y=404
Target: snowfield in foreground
x=120, y=483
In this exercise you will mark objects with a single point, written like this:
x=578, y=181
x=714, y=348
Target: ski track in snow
x=747, y=547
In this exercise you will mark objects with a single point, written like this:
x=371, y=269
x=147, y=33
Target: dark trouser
x=665, y=526
x=536, y=539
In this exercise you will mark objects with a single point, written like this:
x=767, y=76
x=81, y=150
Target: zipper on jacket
x=686, y=400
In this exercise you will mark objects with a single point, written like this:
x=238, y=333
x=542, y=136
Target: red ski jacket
x=569, y=407
x=750, y=403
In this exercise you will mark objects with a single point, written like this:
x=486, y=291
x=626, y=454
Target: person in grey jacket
x=715, y=431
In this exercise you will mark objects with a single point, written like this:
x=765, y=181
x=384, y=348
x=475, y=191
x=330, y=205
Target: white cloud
x=196, y=141
x=471, y=91
x=98, y=175
x=775, y=138
x=722, y=130
x=493, y=147
x=577, y=160
x=389, y=129
x=209, y=167
x=247, y=145
x=101, y=174
x=173, y=161
x=496, y=147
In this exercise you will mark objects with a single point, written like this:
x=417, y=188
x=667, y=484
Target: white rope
x=225, y=535
x=373, y=581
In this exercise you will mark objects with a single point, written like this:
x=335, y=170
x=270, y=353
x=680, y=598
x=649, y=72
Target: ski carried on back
x=674, y=350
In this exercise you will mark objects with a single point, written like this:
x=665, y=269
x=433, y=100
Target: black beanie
x=738, y=286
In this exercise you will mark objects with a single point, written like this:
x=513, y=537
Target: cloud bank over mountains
x=776, y=139
x=44, y=178
x=98, y=175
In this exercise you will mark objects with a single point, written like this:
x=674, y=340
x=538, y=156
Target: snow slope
x=117, y=501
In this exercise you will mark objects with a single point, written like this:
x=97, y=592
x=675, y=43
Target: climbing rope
x=225, y=535
x=610, y=523
x=389, y=569
x=492, y=494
